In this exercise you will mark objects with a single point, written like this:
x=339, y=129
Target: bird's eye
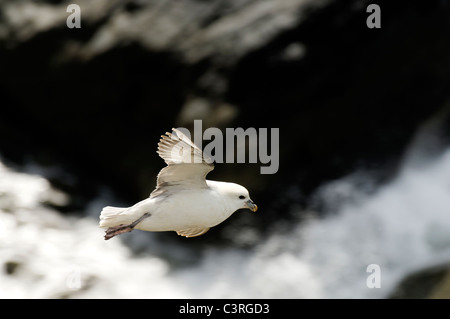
x=241, y=197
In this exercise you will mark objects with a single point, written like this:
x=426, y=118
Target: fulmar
x=183, y=201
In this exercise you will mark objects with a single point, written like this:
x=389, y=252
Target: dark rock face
x=95, y=100
x=430, y=282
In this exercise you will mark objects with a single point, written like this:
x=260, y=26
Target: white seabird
x=183, y=201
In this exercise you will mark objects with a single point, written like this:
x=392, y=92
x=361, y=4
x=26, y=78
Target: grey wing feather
x=178, y=148
x=187, y=165
x=192, y=232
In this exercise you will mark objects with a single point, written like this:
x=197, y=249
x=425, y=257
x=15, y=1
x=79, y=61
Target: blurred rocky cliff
x=82, y=110
x=94, y=101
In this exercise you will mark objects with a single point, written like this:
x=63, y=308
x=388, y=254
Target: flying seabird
x=183, y=201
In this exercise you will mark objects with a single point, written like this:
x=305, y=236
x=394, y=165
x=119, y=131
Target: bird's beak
x=250, y=205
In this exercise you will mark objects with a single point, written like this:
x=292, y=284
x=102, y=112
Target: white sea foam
x=402, y=227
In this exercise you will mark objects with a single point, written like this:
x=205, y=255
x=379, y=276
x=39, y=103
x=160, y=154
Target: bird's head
x=237, y=195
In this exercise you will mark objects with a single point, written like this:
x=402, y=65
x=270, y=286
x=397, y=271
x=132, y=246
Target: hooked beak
x=252, y=206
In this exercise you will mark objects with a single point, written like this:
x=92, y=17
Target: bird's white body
x=187, y=211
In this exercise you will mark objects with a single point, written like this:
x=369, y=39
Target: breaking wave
x=401, y=226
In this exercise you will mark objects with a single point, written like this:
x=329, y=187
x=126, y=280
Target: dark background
x=347, y=98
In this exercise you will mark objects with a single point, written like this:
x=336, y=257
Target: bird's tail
x=112, y=216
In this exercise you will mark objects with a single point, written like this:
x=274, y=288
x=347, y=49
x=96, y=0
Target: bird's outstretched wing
x=187, y=166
